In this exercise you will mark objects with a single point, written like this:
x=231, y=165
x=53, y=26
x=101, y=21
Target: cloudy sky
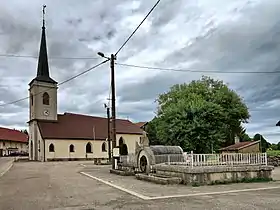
x=201, y=35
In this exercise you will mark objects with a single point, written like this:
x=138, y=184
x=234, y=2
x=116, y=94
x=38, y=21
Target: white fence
x=200, y=160
x=226, y=159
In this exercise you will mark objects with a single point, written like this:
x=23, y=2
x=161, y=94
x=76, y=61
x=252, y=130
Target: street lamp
x=101, y=54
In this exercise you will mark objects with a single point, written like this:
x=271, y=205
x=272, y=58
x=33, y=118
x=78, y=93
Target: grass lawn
x=273, y=152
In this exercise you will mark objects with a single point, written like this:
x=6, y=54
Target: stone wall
x=274, y=161
x=210, y=175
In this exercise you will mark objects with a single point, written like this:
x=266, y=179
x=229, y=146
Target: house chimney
x=236, y=139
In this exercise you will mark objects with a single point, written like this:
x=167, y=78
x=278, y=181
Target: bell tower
x=42, y=98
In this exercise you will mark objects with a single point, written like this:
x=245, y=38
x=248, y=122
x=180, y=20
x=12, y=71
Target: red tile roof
x=12, y=135
x=77, y=126
x=141, y=124
x=239, y=145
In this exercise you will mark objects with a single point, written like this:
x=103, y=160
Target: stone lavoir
x=169, y=165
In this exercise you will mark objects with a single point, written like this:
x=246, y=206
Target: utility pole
x=112, y=64
x=113, y=108
x=109, y=131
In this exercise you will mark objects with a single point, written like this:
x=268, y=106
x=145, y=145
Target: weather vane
x=44, y=7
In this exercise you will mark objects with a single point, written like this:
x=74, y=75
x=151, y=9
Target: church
x=68, y=136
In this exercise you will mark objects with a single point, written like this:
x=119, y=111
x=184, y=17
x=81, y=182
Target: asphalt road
x=59, y=185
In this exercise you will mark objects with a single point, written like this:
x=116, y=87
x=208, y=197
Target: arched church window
x=88, y=148
x=123, y=147
x=71, y=148
x=51, y=148
x=121, y=141
x=103, y=147
x=46, y=99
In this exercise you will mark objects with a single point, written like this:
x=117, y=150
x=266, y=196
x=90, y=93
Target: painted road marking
x=214, y=193
x=83, y=165
x=118, y=187
x=143, y=197
x=7, y=169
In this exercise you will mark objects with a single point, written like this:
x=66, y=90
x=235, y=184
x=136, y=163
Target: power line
x=197, y=71
x=137, y=27
x=65, y=81
x=32, y=56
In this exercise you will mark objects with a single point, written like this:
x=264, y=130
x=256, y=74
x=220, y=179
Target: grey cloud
x=75, y=30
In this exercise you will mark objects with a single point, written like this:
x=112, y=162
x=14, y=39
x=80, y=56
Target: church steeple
x=43, y=74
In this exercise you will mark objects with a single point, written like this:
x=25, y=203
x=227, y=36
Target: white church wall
x=62, y=149
x=129, y=140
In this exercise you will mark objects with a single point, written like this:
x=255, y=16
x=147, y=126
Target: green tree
x=151, y=130
x=264, y=143
x=274, y=147
x=200, y=116
x=243, y=135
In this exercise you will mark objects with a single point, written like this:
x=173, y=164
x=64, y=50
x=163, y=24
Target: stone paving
x=155, y=190
x=59, y=185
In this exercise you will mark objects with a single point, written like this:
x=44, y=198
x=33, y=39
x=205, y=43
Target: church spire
x=43, y=74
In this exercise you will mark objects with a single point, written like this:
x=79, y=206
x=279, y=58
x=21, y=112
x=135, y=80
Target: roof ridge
x=84, y=115
x=11, y=129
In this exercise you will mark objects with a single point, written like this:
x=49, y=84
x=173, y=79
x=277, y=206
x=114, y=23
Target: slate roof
x=13, y=135
x=239, y=145
x=43, y=74
x=77, y=126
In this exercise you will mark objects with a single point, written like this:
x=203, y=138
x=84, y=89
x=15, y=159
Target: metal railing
x=203, y=160
x=226, y=159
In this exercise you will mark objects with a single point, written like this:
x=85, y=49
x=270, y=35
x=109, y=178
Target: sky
x=200, y=35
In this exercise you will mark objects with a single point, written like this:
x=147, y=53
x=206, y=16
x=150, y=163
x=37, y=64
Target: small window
x=71, y=148
x=51, y=148
x=31, y=99
x=88, y=148
x=46, y=99
x=104, y=147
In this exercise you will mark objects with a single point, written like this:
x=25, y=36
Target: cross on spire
x=44, y=12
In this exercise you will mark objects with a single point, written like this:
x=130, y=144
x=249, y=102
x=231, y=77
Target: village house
x=68, y=136
x=142, y=125
x=12, y=141
x=242, y=147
